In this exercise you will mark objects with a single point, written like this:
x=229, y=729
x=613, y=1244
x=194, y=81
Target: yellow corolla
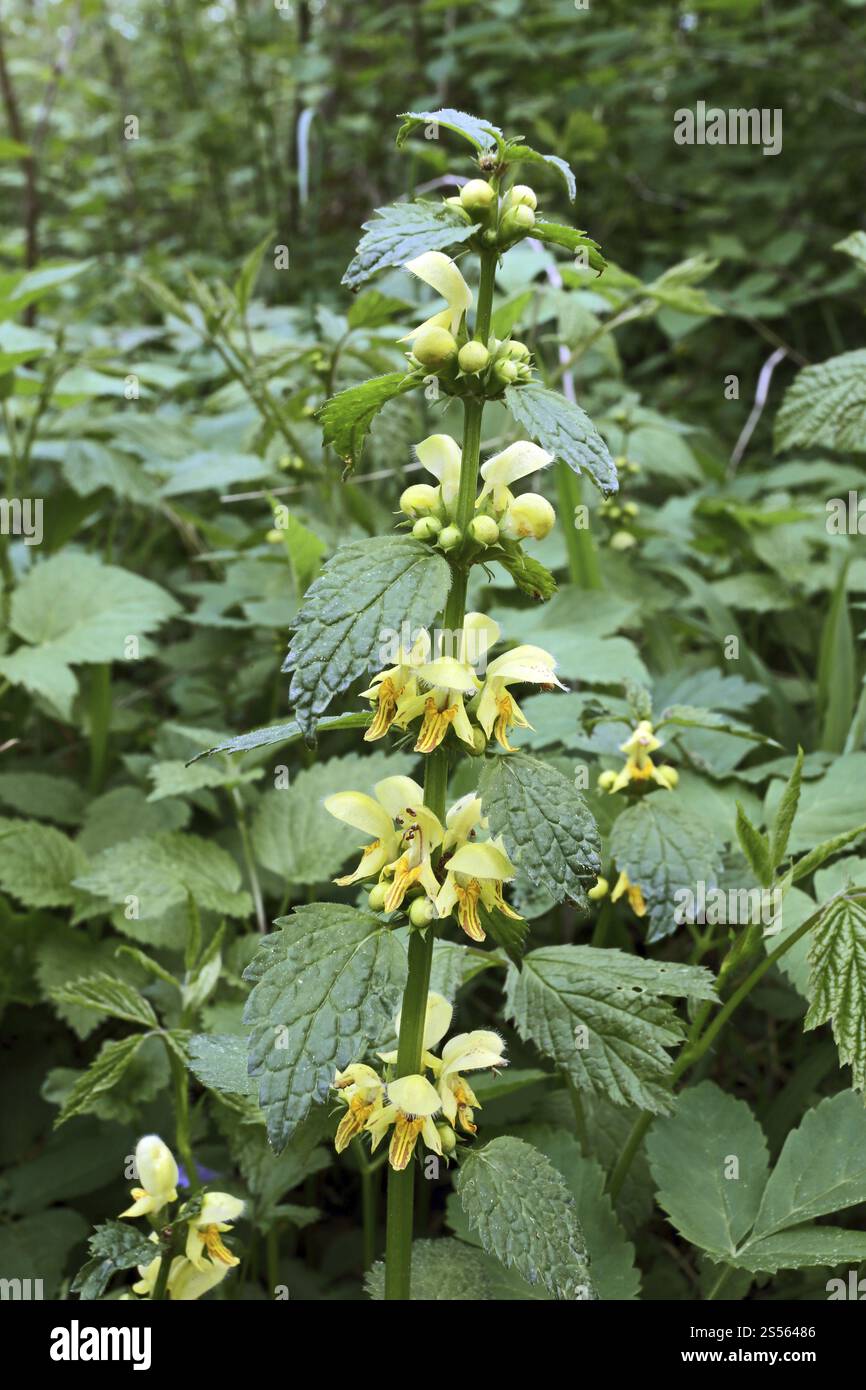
x=497, y=710
x=205, y=1231
x=412, y=1103
x=504, y=468
x=157, y=1171
x=466, y=1052
x=185, y=1282
x=362, y=1091
x=476, y=873
x=633, y=892
x=442, y=275
x=406, y=832
x=639, y=766
x=462, y=821
x=446, y=681
x=441, y=455
x=387, y=687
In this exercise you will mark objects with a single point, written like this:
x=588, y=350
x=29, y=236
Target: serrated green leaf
x=565, y=431
x=755, y=847
x=524, y=1214
x=690, y=717
x=38, y=863
x=570, y=239
x=161, y=871
x=803, y=1248
x=452, y=1271
x=284, y=733
x=710, y=1162
x=72, y=608
x=220, y=1063
x=547, y=826
x=837, y=978
x=325, y=986
x=518, y=153
x=529, y=574
x=347, y=417
x=364, y=588
x=103, y=1074
x=601, y=1016
x=114, y=1246
x=854, y=246
x=479, y=133
x=107, y=995
x=785, y=814
x=821, y=1169
x=665, y=850
x=399, y=233
x=611, y=1255
x=826, y=406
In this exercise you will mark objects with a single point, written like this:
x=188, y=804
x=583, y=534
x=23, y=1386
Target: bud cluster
x=620, y=516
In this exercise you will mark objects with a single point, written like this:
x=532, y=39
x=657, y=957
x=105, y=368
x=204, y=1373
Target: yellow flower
x=639, y=766
x=465, y=1052
x=517, y=461
x=205, y=1231
x=497, y=710
x=636, y=900
x=185, y=1282
x=361, y=1089
x=389, y=685
x=157, y=1170
x=441, y=455
x=401, y=855
x=445, y=681
x=529, y=516
x=439, y=272
x=412, y=1103
x=476, y=873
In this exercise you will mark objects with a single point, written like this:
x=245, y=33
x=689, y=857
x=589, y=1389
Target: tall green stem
x=401, y=1185
x=582, y=557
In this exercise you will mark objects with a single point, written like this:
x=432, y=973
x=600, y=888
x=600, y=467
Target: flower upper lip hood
x=441, y=273
x=441, y=456
x=502, y=469
x=158, y=1172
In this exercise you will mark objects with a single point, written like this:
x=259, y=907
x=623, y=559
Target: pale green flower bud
x=484, y=530
x=434, y=348
x=477, y=195
x=521, y=195
x=458, y=207
x=473, y=357
x=517, y=222
x=630, y=508
x=518, y=351
x=450, y=537
x=599, y=891
x=421, y=912
x=505, y=371
x=622, y=540
x=377, y=897
x=530, y=515
x=426, y=528
x=606, y=781
x=419, y=499
x=447, y=1138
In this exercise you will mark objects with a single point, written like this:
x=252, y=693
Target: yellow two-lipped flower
x=406, y=833
x=639, y=766
x=498, y=711
x=158, y=1173
x=440, y=272
x=475, y=874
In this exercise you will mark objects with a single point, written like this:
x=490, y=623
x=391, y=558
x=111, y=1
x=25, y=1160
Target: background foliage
x=151, y=622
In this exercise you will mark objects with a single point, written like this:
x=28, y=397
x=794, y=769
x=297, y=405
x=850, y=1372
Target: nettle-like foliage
x=350, y=1024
